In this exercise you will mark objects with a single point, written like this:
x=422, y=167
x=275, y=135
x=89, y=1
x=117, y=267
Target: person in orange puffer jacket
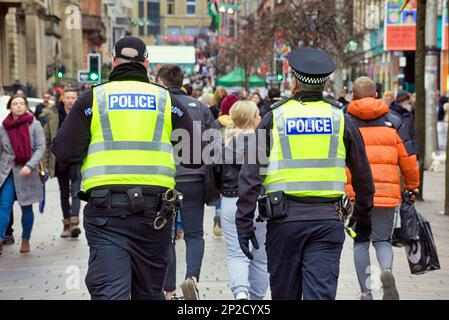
x=390, y=150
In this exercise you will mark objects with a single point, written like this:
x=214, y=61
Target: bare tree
x=254, y=37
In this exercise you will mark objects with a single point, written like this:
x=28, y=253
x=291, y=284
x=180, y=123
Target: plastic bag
x=422, y=254
x=409, y=229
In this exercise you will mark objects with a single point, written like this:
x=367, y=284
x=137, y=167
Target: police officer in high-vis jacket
x=299, y=186
x=121, y=132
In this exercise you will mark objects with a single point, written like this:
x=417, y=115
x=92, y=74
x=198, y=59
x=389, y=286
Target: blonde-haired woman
x=248, y=278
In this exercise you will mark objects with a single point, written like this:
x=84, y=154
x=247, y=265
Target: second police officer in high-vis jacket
x=121, y=130
x=308, y=142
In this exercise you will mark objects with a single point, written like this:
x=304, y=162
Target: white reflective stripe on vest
x=130, y=145
x=102, y=110
x=306, y=164
x=141, y=170
x=307, y=186
x=336, y=120
x=284, y=140
x=160, y=119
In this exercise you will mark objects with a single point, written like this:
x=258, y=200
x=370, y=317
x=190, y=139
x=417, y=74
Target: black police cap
x=310, y=65
x=130, y=42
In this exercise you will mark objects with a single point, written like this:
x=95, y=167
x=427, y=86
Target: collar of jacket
x=129, y=72
x=402, y=111
x=176, y=91
x=309, y=96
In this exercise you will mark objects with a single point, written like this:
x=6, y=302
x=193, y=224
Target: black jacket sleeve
x=181, y=120
x=358, y=165
x=72, y=141
x=251, y=176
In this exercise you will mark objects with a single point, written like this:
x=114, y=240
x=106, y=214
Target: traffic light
x=279, y=70
x=94, y=67
x=61, y=71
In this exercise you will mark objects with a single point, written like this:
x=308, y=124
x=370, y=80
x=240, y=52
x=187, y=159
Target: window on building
x=141, y=19
x=191, y=6
x=191, y=31
x=154, y=18
x=173, y=31
x=170, y=6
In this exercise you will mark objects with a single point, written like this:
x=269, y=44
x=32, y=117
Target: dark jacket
x=265, y=108
x=408, y=119
x=250, y=179
x=228, y=171
x=72, y=141
x=199, y=113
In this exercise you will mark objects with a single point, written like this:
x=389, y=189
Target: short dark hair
x=72, y=88
x=172, y=75
x=274, y=93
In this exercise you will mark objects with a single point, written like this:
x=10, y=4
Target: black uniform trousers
x=128, y=257
x=304, y=259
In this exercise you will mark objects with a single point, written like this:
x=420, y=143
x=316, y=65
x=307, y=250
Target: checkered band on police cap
x=309, y=80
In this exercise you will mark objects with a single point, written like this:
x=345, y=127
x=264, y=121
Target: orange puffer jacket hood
x=387, y=148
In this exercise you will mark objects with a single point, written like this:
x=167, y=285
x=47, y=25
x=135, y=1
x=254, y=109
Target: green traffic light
x=93, y=76
x=280, y=77
x=60, y=74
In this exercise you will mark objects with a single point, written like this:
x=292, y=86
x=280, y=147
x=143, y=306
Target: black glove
x=363, y=232
x=244, y=239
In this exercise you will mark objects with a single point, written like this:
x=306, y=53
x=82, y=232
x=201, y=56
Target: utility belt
x=165, y=204
x=276, y=206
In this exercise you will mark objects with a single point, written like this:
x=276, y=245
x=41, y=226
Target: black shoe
x=389, y=286
x=190, y=290
x=9, y=239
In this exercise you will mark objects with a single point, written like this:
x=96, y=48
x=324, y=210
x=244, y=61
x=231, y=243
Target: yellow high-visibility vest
x=130, y=144
x=308, y=154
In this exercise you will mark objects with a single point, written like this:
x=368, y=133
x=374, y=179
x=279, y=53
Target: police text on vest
x=296, y=126
x=132, y=101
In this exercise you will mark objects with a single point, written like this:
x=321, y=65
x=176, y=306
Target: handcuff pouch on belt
x=169, y=203
x=273, y=206
x=136, y=200
x=101, y=198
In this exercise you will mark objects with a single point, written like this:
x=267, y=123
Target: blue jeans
x=7, y=198
x=192, y=216
x=244, y=275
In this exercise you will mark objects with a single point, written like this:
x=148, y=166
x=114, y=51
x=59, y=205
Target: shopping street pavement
x=55, y=268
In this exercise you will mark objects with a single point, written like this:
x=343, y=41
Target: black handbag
x=422, y=254
x=409, y=230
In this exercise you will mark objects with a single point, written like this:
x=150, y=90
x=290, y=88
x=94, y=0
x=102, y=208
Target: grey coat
x=28, y=189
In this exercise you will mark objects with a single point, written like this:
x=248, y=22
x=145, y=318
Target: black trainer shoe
x=389, y=286
x=9, y=239
x=190, y=290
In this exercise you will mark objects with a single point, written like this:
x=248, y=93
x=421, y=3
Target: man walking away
x=191, y=183
x=389, y=149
